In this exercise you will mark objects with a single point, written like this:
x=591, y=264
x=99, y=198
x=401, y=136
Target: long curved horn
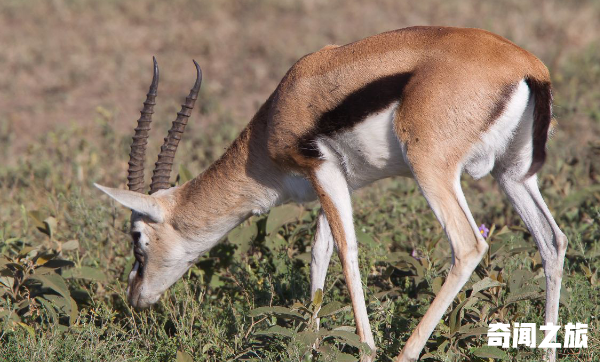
x=162, y=170
x=140, y=139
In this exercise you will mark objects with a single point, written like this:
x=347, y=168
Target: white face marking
x=158, y=266
x=483, y=155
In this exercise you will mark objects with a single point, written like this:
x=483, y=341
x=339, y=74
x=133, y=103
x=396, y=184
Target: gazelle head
x=160, y=249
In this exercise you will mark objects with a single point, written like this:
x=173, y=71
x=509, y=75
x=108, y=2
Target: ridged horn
x=162, y=169
x=135, y=171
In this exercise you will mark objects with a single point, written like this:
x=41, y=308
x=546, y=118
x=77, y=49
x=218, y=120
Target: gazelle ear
x=143, y=204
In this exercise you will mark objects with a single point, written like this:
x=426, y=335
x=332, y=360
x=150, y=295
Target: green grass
x=207, y=315
x=66, y=251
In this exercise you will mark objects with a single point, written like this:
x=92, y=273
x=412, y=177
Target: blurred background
x=73, y=76
x=61, y=60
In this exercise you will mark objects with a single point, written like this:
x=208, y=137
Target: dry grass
x=73, y=75
x=61, y=59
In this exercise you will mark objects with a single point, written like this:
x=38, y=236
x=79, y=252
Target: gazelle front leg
x=332, y=189
x=321, y=255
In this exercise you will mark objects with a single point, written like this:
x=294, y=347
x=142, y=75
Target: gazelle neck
x=243, y=182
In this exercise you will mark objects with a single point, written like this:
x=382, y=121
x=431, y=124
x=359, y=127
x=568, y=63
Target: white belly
x=369, y=151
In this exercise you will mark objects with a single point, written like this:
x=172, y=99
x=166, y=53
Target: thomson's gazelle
x=424, y=102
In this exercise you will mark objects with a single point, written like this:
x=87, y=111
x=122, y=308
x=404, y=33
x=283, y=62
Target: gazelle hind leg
x=332, y=189
x=524, y=194
x=552, y=243
x=444, y=195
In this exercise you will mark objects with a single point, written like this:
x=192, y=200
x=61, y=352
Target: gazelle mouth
x=138, y=267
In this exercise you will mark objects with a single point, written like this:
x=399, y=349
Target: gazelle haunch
x=424, y=102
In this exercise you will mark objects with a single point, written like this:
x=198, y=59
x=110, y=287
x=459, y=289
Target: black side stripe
x=372, y=98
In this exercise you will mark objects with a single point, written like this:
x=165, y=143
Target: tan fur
x=450, y=86
x=333, y=217
x=452, y=69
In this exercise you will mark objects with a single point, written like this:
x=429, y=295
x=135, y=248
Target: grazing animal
x=423, y=102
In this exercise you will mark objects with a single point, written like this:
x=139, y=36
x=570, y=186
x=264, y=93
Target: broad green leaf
x=496, y=246
x=347, y=337
x=280, y=216
x=301, y=307
x=305, y=257
x=345, y=329
x=37, y=218
x=58, y=301
x=44, y=257
x=333, y=308
x=484, y=284
x=23, y=304
x=70, y=245
x=51, y=226
x=318, y=298
x=7, y=281
x=49, y=308
x=437, y=285
x=26, y=250
x=29, y=329
x=54, y=282
x=242, y=237
x=85, y=272
x=275, y=310
x=183, y=357
x=520, y=250
x=472, y=331
x=512, y=298
x=307, y=338
x=276, y=330
x=345, y=357
x=517, y=279
x=243, y=234
x=502, y=231
x=74, y=312
x=404, y=257
x=364, y=238
x=55, y=264
x=490, y=352
x=455, y=317
x=275, y=242
x=215, y=282
x=46, y=225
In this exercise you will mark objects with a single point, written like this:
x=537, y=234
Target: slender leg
x=444, y=195
x=552, y=243
x=321, y=255
x=331, y=187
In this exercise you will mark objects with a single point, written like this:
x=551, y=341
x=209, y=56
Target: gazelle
x=424, y=102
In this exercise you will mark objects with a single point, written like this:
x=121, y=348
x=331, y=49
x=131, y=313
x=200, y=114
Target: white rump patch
x=494, y=142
